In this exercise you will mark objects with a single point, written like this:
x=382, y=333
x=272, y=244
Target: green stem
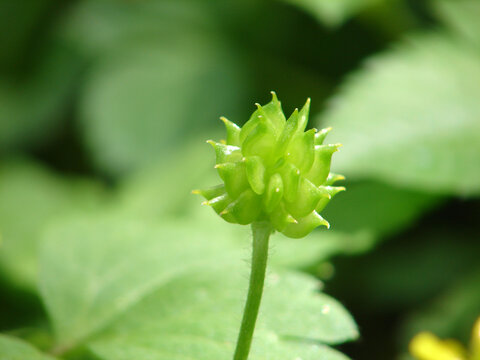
x=261, y=233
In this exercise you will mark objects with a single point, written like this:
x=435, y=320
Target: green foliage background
x=104, y=109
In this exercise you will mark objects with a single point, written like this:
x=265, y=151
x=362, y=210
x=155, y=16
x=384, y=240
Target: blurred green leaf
x=406, y=272
x=167, y=274
x=19, y=25
x=30, y=109
x=319, y=246
x=31, y=197
x=140, y=102
x=333, y=12
x=159, y=70
x=15, y=349
x=410, y=118
x=95, y=27
x=461, y=16
x=164, y=189
x=377, y=208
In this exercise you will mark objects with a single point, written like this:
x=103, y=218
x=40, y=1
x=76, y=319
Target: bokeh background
x=108, y=103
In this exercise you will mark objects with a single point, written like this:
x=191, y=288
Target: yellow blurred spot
x=475, y=344
x=426, y=346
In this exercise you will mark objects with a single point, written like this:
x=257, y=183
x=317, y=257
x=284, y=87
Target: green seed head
x=273, y=170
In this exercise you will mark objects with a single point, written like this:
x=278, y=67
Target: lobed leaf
x=196, y=316
x=129, y=288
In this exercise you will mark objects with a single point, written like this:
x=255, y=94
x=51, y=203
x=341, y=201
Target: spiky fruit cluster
x=273, y=170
